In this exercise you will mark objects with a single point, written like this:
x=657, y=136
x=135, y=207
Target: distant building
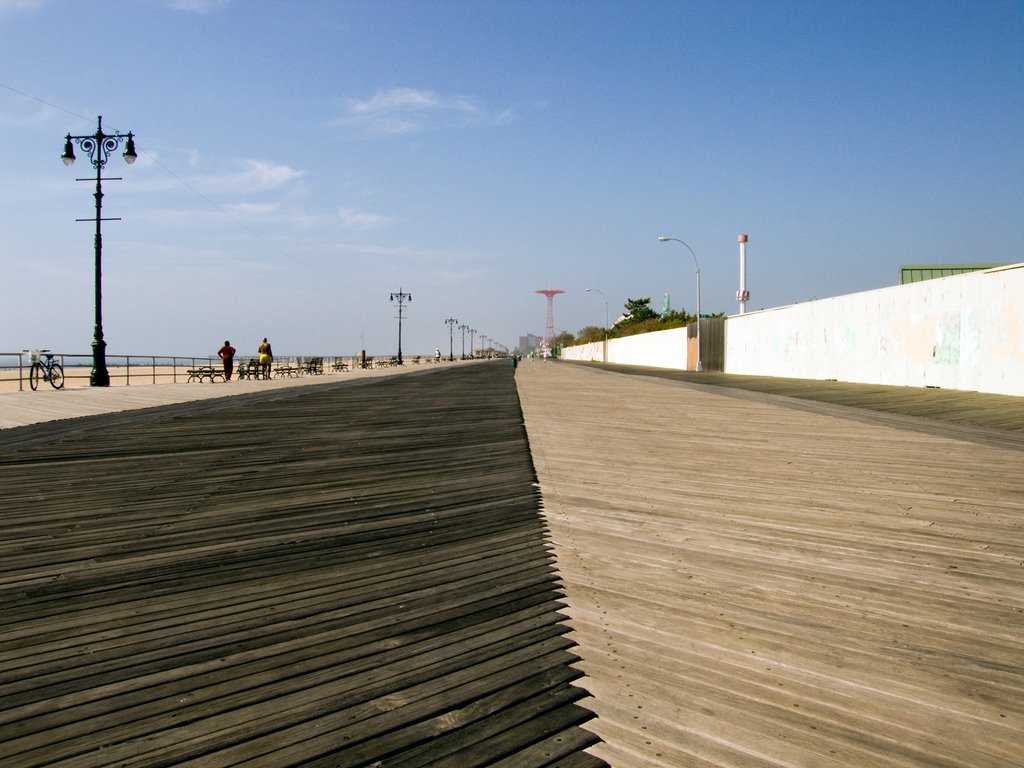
x=528, y=344
x=915, y=273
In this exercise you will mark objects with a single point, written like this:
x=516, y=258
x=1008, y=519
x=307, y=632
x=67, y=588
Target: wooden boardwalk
x=976, y=412
x=756, y=580
x=756, y=573
x=340, y=575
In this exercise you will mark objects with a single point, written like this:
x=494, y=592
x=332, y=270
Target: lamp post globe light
x=99, y=146
x=463, y=328
x=597, y=290
x=700, y=364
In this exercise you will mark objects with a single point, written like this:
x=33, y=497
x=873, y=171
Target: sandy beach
x=77, y=376
x=147, y=387
x=120, y=376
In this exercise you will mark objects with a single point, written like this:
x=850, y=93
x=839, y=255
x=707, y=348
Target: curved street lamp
x=463, y=328
x=99, y=147
x=597, y=290
x=700, y=365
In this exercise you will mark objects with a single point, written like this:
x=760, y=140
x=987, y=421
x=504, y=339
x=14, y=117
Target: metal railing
x=127, y=369
x=124, y=369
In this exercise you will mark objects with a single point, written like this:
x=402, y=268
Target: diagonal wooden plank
x=336, y=563
x=754, y=583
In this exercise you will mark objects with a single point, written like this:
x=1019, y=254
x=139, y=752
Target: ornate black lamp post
x=450, y=322
x=99, y=147
x=401, y=297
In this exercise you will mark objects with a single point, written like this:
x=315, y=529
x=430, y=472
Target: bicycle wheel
x=35, y=373
x=56, y=376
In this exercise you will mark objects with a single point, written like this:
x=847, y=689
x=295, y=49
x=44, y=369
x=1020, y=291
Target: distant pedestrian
x=227, y=354
x=266, y=357
x=437, y=353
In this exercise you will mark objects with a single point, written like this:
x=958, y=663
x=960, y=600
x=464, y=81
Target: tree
x=589, y=334
x=676, y=318
x=564, y=339
x=638, y=310
x=640, y=318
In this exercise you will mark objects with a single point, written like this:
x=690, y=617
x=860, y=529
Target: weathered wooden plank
x=952, y=407
x=182, y=583
x=753, y=583
x=442, y=740
x=422, y=728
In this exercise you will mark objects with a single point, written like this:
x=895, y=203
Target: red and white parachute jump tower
x=549, y=329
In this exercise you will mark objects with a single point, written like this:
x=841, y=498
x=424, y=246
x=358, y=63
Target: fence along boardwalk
x=337, y=575
x=755, y=581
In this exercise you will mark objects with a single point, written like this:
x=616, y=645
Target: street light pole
x=98, y=147
x=597, y=290
x=401, y=297
x=700, y=364
x=450, y=322
x=463, y=328
x=472, y=334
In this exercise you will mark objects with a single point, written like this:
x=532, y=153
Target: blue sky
x=301, y=160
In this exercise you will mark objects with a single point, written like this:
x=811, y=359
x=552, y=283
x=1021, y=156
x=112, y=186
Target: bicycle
x=45, y=368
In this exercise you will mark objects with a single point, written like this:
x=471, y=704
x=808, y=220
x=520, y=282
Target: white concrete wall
x=662, y=349
x=960, y=332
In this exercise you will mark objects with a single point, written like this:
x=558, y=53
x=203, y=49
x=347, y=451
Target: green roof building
x=915, y=273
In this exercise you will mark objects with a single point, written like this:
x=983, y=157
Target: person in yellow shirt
x=266, y=357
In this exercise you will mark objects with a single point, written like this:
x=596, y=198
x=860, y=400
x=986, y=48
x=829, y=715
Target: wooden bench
x=313, y=366
x=251, y=369
x=204, y=372
x=339, y=365
x=282, y=371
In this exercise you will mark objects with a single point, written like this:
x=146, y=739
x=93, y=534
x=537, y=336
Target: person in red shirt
x=227, y=354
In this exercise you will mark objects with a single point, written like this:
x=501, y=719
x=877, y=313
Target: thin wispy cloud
x=355, y=219
x=409, y=110
x=198, y=6
x=28, y=117
x=252, y=176
x=245, y=177
x=264, y=175
x=13, y=6
x=251, y=209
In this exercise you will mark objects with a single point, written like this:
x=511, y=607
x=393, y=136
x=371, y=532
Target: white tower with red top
x=742, y=295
